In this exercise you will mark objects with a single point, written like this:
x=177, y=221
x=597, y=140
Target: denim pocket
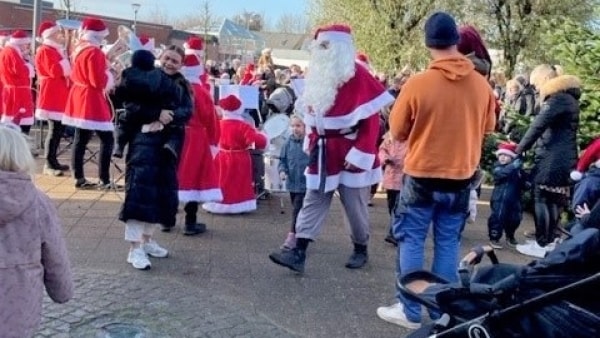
x=461, y=202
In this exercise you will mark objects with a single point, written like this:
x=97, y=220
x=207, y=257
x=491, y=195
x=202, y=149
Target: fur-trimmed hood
x=563, y=83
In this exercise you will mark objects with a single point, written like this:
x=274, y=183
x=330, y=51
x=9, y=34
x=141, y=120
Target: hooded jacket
x=444, y=114
x=32, y=256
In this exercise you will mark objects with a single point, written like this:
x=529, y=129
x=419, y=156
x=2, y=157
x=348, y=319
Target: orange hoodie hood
x=453, y=68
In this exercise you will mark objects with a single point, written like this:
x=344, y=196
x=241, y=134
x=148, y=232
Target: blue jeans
x=417, y=208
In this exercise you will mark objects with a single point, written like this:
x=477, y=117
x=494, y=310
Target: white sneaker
x=395, y=314
x=532, y=249
x=139, y=259
x=154, y=250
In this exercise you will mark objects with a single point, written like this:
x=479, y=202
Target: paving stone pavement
x=222, y=284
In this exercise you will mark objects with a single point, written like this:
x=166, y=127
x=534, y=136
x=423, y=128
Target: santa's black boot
x=191, y=227
x=358, y=258
x=293, y=259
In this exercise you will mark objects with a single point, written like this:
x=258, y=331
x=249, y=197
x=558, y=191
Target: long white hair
x=332, y=63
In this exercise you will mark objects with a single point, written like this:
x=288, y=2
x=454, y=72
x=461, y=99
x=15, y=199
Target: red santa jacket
x=347, y=133
x=15, y=74
x=87, y=105
x=53, y=69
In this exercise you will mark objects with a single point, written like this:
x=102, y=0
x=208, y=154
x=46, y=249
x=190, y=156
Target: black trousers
x=191, y=212
x=297, y=198
x=55, y=132
x=547, y=208
x=25, y=129
x=80, y=141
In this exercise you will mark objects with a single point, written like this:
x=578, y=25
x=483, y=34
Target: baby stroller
x=552, y=297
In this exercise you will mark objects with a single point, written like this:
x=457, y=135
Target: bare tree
x=69, y=6
x=158, y=14
x=292, y=23
x=205, y=19
x=251, y=20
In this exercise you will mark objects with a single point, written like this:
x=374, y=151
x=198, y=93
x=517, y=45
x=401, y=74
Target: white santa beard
x=328, y=70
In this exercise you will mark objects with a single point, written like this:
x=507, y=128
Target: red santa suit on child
x=233, y=160
x=198, y=175
x=87, y=105
x=16, y=74
x=194, y=46
x=53, y=69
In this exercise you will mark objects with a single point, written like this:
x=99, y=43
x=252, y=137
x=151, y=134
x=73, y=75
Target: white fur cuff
x=110, y=82
x=360, y=159
x=214, y=150
x=576, y=175
x=66, y=67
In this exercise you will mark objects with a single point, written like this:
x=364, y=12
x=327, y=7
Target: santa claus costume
x=198, y=175
x=341, y=104
x=233, y=160
x=194, y=46
x=16, y=74
x=4, y=36
x=87, y=107
x=53, y=69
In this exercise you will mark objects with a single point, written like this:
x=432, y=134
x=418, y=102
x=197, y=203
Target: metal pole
x=37, y=18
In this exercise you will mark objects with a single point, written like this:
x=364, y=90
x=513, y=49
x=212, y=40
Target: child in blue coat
x=292, y=163
x=505, y=202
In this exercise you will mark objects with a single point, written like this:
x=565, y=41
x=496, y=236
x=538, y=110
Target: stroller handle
x=466, y=265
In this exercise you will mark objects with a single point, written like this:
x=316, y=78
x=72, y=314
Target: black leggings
x=25, y=129
x=548, y=206
x=297, y=199
x=55, y=132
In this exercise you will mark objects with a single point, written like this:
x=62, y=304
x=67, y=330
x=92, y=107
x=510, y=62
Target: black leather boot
x=293, y=259
x=192, y=227
x=358, y=258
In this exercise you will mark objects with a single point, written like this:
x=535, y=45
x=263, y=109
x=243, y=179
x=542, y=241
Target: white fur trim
x=46, y=34
x=43, y=114
x=306, y=144
x=26, y=121
x=214, y=150
x=210, y=195
x=235, y=115
x=349, y=179
x=66, y=67
x=576, y=175
x=19, y=41
x=110, y=82
x=235, y=208
x=334, y=36
x=505, y=152
x=87, y=124
x=192, y=74
x=360, y=159
x=93, y=35
x=31, y=70
x=351, y=119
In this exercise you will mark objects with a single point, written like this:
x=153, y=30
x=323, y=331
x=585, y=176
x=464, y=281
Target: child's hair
x=15, y=155
x=297, y=117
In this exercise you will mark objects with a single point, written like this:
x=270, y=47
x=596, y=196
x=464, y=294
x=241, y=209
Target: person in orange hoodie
x=443, y=113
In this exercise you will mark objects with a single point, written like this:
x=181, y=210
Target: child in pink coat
x=392, y=154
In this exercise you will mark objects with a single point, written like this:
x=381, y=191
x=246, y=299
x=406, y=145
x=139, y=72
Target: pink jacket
x=32, y=256
x=394, y=151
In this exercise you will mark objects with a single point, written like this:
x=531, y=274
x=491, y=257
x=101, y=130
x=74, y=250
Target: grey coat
x=293, y=161
x=33, y=255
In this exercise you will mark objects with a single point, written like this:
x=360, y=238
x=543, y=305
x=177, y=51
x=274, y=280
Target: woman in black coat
x=155, y=139
x=553, y=135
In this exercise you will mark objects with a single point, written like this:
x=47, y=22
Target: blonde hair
x=542, y=73
x=15, y=155
x=513, y=83
x=297, y=117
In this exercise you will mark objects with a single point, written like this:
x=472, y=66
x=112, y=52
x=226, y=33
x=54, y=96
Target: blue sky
x=271, y=9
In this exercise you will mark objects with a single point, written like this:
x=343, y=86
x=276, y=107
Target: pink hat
x=47, y=28
x=93, y=28
x=335, y=32
x=507, y=148
x=230, y=103
x=19, y=37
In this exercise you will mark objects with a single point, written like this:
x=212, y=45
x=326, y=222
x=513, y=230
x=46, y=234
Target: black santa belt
x=318, y=154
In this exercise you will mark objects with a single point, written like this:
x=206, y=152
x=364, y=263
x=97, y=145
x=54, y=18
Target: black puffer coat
x=151, y=176
x=554, y=132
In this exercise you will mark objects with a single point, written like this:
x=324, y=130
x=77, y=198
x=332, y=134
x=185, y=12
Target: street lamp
x=136, y=8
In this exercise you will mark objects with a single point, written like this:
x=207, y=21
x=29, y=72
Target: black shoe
x=194, y=229
x=82, y=183
x=390, y=239
x=61, y=167
x=110, y=186
x=511, y=242
x=358, y=258
x=292, y=259
x=118, y=153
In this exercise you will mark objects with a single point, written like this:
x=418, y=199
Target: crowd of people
x=419, y=138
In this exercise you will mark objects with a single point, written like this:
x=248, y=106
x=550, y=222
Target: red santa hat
x=194, y=46
x=507, y=148
x=590, y=156
x=47, y=28
x=93, y=28
x=335, y=32
x=363, y=60
x=147, y=42
x=192, y=68
x=19, y=37
x=231, y=104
